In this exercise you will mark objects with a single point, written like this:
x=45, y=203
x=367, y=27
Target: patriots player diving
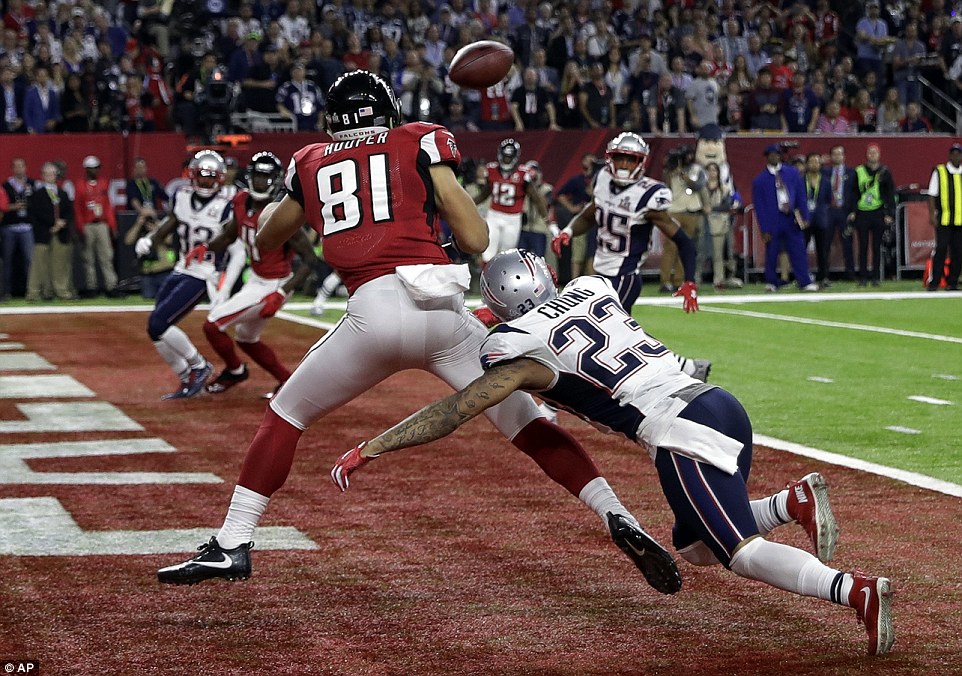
x=581, y=351
x=197, y=213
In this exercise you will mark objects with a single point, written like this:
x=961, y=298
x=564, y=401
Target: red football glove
x=486, y=316
x=688, y=291
x=347, y=464
x=198, y=253
x=562, y=239
x=273, y=303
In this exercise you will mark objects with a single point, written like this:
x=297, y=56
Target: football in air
x=481, y=64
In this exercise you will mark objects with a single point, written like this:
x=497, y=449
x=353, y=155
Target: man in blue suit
x=41, y=105
x=778, y=193
x=841, y=179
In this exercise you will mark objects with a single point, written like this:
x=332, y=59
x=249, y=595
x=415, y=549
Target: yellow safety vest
x=870, y=193
x=950, y=197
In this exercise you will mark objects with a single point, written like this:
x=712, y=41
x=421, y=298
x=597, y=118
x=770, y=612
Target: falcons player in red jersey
x=269, y=285
x=508, y=183
x=375, y=194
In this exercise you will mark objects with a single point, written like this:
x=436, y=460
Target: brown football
x=481, y=64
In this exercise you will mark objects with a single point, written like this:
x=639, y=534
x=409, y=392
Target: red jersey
x=494, y=104
x=507, y=190
x=372, y=199
x=827, y=26
x=274, y=264
x=92, y=204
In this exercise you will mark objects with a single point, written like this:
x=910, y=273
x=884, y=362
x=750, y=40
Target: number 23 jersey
x=607, y=369
x=372, y=199
x=621, y=213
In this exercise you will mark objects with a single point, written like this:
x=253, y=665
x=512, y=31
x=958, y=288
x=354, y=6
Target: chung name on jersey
x=369, y=140
x=557, y=307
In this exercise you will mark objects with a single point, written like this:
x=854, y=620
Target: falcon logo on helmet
x=264, y=175
x=514, y=282
x=631, y=146
x=207, y=171
x=360, y=103
x=509, y=154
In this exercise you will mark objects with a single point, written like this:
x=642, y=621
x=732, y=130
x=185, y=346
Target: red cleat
x=872, y=599
x=808, y=505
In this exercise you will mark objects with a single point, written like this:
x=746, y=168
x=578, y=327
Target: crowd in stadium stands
x=653, y=67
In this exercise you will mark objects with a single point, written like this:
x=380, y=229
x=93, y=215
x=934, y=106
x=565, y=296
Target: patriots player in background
x=581, y=351
x=508, y=183
x=197, y=213
x=270, y=283
x=625, y=206
x=375, y=194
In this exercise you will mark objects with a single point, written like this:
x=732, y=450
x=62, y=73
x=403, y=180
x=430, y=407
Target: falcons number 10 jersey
x=372, y=199
x=624, y=232
x=198, y=222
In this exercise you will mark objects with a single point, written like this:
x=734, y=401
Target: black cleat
x=654, y=562
x=227, y=380
x=227, y=564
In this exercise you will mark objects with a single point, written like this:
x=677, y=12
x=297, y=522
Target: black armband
x=686, y=251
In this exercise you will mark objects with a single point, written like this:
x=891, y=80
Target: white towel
x=663, y=428
x=429, y=282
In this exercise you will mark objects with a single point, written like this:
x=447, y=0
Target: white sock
x=599, y=497
x=771, y=512
x=177, y=363
x=246, y=508
x=327, y=288
x=791, y=569
x=239, y=370
x=178, y=341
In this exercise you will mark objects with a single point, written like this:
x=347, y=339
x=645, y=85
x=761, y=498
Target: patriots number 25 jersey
x=624, y=232
x=607, y=369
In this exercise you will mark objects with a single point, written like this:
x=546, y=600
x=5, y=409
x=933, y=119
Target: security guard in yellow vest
x=945, y=215
x=874, y=204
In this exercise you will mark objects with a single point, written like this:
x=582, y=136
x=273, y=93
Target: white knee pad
x=699, y=554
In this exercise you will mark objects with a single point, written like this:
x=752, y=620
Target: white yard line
x=930, y=400
x=903, y=430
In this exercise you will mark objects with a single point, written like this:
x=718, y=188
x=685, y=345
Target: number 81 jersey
x=621, y=213
x=607, y=369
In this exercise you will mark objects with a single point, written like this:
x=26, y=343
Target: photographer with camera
x=690, y=206
x=148, y=198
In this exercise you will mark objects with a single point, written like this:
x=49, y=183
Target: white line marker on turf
x=903, y=430
x=820, y=379
x=930, y=400
x=945, y=376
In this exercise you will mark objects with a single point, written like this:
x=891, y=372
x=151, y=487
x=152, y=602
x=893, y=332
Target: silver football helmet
x=516, y=281
x=631, y=145
x=207, y=171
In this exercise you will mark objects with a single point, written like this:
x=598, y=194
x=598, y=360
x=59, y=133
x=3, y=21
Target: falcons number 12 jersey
x=507, y=190
x=198, y=222
x=372, y=199
x=624, y=232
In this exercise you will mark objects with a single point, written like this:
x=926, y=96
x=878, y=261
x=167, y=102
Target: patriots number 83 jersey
x=607, y=369
x=621, y=213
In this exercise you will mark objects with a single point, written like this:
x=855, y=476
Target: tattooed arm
x=446, y=415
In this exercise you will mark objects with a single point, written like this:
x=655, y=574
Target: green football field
x=837, y=376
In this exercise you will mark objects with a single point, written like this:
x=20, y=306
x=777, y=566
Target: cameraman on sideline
x=690, y=206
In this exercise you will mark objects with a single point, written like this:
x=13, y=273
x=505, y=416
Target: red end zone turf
x=459, y=557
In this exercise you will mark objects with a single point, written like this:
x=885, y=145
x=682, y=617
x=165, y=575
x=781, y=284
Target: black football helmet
x=359, y=101
x=509, y=154
x=264, y=173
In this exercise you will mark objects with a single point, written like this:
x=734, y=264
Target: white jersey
x=621, y=213
x=607, y=369
x=198, y=222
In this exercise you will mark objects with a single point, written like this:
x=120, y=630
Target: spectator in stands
x=258, y=90
x=526, y=38
x=915, y=122
x=801, y=106
x=294, y=26
x=719, y=69
x=731, y=41
x=890, y=113
x=417, y=22
x=266, y=11
x=11, y=98
x=548, y=77
x=950, y=50
x=97, y=227
x=41, y=105
x=51, y=211
x=781, y=72
x=741, y=76
x=655, y=60
x=456, y=121
x=138, y=107
x=702, y=98
x=355, y=58
x=596, y=100
x=153, y=21
x=247, y=22
x=756, y=57
x=561, y=46
x=863, y=112
x=832, y=121
x=244, y=58
x=328, y=68
x=671, y=107
x=764, y=105
x=871, y=39
x=531, y=105
x=301, y=100
x=732, y=115
x=16, y=231
x=909, y=52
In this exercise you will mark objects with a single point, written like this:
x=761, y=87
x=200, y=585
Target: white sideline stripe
x=930, y=400
x=838, y=325
x=945, y=376
x=903, y=430
x=305, y=321
x=11, y=346
x=912, y=478
x=820, y=379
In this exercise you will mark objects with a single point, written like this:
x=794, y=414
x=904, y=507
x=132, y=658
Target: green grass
x=767, y=363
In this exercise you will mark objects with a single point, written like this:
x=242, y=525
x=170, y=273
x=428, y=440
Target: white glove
x=554, y=230
x=143, y=246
